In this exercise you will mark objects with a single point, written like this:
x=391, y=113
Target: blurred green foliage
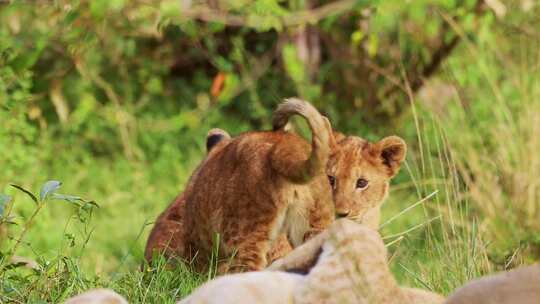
x=135, y=77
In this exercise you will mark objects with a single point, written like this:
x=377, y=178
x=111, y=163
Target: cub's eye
x=332, y=181
x=361, y=183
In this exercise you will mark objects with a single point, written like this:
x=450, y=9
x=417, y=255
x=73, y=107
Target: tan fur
x=167, y=237
x=521, y=285
x=420, y=296
x=261, y=287
x=280, y=248
x=257, y=186
x=345, y=264
x=97, y=296
x=354, y=158
x=351, y=158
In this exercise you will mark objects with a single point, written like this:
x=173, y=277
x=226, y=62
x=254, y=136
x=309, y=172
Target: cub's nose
x=341, y=214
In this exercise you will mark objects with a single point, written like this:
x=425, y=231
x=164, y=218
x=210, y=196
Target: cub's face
x=359, y=173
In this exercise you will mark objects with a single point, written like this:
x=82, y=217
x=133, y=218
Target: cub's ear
x=328, y=128
x=338, y=136
x=214, y=137
x=335, y=136
x=392, y=151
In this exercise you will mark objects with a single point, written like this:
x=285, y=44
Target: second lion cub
x=258, y=186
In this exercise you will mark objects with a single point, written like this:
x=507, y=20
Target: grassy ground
x=466, y=203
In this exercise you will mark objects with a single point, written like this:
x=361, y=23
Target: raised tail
x=321, y=133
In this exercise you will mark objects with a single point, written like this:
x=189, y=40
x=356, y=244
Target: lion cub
x=257, y=186
x=360, y=172
x=167, y=235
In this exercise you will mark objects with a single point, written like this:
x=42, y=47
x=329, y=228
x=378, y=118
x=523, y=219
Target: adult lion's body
x=520, y=285
x=345, y=264
x=258, y=185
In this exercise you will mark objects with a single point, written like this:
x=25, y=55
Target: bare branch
x=207, y=14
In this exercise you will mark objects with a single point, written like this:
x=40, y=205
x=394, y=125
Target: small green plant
x=23, y=280
x=12, y=273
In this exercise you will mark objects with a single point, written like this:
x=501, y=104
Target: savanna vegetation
x=114, y=99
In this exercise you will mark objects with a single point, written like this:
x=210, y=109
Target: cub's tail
x=321, y=134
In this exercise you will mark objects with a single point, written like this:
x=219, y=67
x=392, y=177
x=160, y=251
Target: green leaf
x=14, y=265
x=357, y=36
x=373, y=45
x=230, y=87
x=223, y=64
x=30, y=194
x=67, y=197
x=4, y=199
x=49, y=188
x=92, y=203
x=216, y=27
x=170, y=8
x=190, y=119
x=71, y=16
x=293, y=65
x=155, y=86
x=98, y=8
x=26, y=60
